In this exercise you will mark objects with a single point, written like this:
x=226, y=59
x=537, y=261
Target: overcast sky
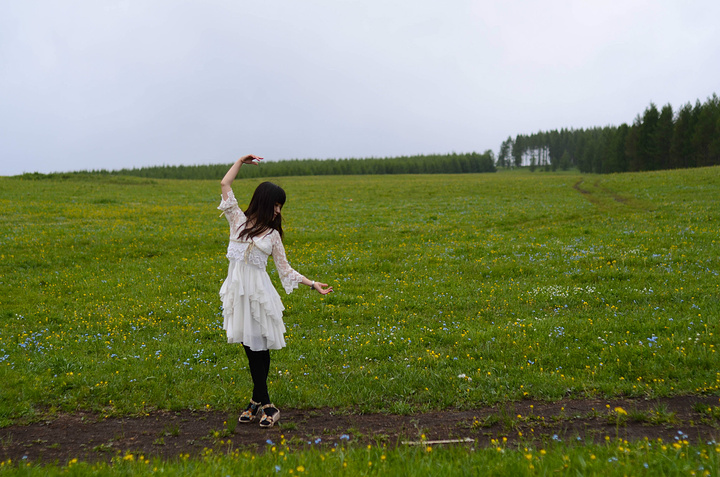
x=109, y=84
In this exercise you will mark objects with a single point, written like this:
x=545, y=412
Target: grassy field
x=614, y=459
x=451, y=291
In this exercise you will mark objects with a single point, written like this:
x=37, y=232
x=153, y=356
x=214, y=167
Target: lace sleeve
x=289, y=278
x=230, y=208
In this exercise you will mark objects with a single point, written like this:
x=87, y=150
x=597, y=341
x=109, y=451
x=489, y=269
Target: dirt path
x=171, y=434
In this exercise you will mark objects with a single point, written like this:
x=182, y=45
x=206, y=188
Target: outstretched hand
x=251, y=159
x=322, y=288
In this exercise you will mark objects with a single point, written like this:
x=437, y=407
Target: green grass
x=530, y=285
x=616, y=457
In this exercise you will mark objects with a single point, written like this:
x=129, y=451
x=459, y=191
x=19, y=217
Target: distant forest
x=657, y=139
x=430, y=164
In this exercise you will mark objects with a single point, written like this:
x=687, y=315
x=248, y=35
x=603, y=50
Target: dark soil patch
x=171, y=434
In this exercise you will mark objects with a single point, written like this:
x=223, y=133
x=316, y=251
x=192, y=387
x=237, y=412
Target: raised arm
x=226, y=182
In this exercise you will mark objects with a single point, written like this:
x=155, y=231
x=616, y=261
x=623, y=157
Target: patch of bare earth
x=168, y=434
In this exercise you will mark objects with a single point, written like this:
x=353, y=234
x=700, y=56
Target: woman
x=252, y=309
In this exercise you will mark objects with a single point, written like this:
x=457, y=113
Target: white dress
x=252, y=309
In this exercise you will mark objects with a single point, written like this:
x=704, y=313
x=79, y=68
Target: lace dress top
x=256, y=251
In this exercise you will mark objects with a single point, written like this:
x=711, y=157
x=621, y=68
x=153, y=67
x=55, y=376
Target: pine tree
x=704, y=131
x=565, y=161
x=647, y=152
x=681, y=144
x=518, y=150
x=631, y=146
x=663, y=137
x=714, y=148
x=504, y=155
x=617, y=159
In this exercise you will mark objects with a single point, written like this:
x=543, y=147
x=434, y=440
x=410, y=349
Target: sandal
x=269, y=419
x=250, y=412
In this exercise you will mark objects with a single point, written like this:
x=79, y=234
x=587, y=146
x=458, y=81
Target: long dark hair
x=261, y=210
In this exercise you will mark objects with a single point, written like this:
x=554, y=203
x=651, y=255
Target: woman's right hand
x=226, y=182
x=251, y=159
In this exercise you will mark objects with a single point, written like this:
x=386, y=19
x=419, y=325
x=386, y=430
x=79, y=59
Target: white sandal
x=269, y=420
x=250, y=413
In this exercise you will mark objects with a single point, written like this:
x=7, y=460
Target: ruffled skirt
x=252, y=309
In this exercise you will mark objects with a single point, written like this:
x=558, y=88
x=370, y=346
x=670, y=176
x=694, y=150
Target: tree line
x=657, y=139
x=421, y=164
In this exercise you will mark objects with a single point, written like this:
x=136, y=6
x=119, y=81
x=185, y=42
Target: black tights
x=259, y=369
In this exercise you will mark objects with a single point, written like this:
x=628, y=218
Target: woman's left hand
x=322, y=288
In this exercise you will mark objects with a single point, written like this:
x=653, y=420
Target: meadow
x=451, y=292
